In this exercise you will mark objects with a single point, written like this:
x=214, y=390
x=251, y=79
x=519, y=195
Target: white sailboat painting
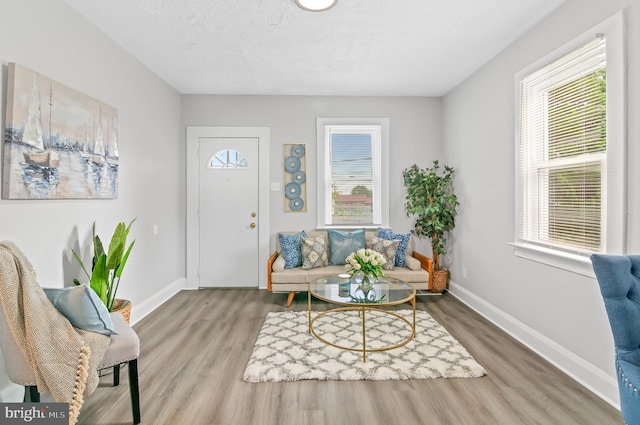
x=98, y=147
x=59, y=143
x=32, y=135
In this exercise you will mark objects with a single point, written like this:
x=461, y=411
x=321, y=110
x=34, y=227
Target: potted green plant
x=431, y=199
x=107, y=267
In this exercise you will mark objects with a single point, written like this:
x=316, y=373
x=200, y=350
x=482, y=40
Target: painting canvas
x=58, y=143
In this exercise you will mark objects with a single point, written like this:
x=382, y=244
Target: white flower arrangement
x=367, y=261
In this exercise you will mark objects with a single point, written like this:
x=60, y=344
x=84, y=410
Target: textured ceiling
x=360, y=47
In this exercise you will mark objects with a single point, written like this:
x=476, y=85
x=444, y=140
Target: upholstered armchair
x=619, y=280
x=123, y=348
x=27, y=310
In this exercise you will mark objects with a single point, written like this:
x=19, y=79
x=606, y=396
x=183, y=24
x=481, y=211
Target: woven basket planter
x=123, y=307
x=440, y=279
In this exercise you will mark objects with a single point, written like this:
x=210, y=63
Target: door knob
x=253, y=225
x=253, y=214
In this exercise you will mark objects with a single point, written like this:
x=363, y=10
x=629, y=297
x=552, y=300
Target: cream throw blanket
x=64, y=359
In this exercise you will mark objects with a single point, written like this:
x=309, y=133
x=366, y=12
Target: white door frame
x=193, y=199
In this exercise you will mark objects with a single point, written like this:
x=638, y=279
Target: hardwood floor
x=195, y=347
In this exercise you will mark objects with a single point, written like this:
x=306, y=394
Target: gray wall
x=51, y=38
x=558, y=313
x=414, y=138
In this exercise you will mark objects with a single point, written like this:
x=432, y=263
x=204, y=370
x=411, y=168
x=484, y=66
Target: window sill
x=562, y=260
x=351, y=227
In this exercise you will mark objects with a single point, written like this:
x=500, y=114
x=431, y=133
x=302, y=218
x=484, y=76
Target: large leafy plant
x=107, y=266
x=431, y=199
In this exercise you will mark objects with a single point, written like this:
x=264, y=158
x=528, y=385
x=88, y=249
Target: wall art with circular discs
x=295, y=177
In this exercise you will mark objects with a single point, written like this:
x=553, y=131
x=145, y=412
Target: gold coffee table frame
x=362, y=309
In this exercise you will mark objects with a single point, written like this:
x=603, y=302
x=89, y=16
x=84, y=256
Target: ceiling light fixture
x=316, y=5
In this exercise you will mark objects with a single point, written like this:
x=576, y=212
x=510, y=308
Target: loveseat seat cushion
x=298, y=275
x=408, y=275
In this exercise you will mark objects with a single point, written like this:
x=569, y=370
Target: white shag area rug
x=286, y=351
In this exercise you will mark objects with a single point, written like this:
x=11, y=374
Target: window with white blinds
x=351, y=165
x=354, y=160
x=570, y=151
x=563, y=152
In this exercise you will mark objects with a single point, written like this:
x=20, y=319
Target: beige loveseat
x=280, y=280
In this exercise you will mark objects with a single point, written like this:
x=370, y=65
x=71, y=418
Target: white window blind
x=563, y=152
x=355, y=172
x=353, y=169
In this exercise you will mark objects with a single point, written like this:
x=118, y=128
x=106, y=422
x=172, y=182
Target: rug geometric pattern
x=286, y=351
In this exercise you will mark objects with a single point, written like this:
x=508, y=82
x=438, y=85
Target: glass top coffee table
x=386, y=292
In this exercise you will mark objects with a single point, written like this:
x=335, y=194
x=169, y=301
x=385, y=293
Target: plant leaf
x=116, y=246
x=75, y=254
x=124, y=261
x=100, y=278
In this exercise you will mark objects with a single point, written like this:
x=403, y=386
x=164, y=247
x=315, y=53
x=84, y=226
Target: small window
x=228, y=159
x=352, y=172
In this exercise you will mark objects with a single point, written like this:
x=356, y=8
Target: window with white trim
x=351, y=166
x=570, y=155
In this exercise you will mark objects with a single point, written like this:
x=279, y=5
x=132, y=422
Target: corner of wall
x=140, y=311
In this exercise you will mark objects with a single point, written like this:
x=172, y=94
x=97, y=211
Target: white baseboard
x=594, y=379
x=140, y=310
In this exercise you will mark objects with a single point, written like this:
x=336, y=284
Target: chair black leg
x=134, y=390
x=31, y=394
x=116, y=375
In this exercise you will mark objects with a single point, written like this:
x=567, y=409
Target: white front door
x=208, y=248
x=228, y=211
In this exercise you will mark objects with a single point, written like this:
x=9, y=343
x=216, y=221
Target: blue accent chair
x=619, y=280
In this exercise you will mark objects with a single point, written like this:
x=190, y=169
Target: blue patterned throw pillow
x=290, y=249
x=341, y=244
x=402, y=246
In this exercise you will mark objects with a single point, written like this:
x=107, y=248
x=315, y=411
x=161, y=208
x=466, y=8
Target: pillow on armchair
x=83, y=308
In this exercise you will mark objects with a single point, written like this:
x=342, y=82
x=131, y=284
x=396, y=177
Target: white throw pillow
x=412, y=263
x=279, y=264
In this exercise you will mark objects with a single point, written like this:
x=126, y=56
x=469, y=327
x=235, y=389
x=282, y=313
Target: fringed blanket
x=64, y=359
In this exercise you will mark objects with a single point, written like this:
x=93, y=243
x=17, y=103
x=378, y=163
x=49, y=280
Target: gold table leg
x=309, y=305
x=414, y=314
x=364, y=338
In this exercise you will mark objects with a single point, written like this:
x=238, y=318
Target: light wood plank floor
x=195, y=348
